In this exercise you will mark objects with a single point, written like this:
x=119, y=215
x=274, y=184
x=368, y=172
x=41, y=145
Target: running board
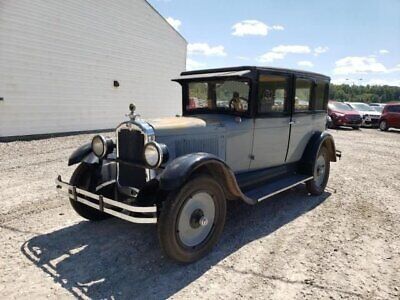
x=275, y=187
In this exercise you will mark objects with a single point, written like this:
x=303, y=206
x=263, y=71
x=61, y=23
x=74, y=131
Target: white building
x=59, y=61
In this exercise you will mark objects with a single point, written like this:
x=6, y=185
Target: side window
x=272, y=94
x=302, y=100
x=321, y=93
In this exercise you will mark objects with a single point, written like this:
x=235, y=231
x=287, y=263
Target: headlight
x=102, y=146
x=155, y=154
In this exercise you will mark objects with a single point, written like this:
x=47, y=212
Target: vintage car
x=246, y=133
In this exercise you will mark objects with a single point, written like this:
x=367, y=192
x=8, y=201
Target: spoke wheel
x=192, y=219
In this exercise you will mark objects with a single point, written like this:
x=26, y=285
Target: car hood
x=368, y=112
x=185, y=125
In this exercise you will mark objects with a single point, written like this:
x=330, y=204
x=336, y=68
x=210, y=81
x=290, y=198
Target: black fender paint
x=177, y=172
x=83, y=154
x=314, y=145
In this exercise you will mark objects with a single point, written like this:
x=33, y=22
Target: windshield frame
x=185, y=97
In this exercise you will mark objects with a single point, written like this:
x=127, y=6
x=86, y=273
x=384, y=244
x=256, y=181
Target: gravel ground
x=343, y=244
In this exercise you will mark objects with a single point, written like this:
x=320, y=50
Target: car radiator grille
x=130, y=150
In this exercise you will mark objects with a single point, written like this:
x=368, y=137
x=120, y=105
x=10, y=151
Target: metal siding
x=59, y=60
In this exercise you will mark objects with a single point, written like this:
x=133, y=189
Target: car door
x=393, y=115
x=309, y=114
x=271, y=122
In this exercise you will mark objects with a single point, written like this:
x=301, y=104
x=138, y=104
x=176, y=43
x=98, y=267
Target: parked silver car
x=370, y=117
x=247, y=133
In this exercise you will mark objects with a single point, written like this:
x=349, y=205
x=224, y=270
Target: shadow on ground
x=114, y=258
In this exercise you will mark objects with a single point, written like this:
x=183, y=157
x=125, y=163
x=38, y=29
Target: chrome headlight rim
x=160, y=155
x=104, y=145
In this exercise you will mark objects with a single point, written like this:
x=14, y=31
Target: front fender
x=180, y=169
x=83, y=154
x=315, y=143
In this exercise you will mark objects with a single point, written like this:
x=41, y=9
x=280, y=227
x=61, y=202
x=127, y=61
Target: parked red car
x=390, y=117
x=343, y=115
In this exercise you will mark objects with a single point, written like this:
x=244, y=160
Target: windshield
x=339, y=106
x=230, y=96
x=362, y=107
x=378, y=108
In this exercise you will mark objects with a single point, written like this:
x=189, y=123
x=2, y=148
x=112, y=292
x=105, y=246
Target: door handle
x=292, y=123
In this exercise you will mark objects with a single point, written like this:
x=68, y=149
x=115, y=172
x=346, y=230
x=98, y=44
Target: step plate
x=275, y=187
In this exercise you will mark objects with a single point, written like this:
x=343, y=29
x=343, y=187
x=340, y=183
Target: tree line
x=360, y=93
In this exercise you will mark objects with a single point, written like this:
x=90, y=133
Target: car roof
x=392, y=103
x=257, y=68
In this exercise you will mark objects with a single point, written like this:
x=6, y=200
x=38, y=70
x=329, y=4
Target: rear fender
x=318, y=140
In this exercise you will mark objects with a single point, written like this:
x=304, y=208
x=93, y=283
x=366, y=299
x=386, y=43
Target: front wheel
x=317, y=185
x=192, y=219
x=383, y=125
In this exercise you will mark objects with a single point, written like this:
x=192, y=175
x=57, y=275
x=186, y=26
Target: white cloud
x=383, y=51
x=372, y=81
x=358, y=65
x=243, y=57
x=319, y=50
x=193, y=65
x=253, y=27
x=205, y=49
x=278, y=27
x=305, y=63
x=280, y=52
x=271, y=56
x=174, y=22
x=299, y=49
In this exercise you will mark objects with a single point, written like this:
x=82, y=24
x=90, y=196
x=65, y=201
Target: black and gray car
x=246, y=134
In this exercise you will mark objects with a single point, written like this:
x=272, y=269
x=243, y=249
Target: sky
x=353, y=41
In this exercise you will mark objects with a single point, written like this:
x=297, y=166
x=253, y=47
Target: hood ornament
x=132, y=115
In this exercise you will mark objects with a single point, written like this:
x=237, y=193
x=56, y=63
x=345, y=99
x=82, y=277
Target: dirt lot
x=344, y=244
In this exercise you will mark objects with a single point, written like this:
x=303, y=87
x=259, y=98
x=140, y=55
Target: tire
x=356, y=127
x=82, y=178
x=183, y=232
x=317, y=185
x=383, y=125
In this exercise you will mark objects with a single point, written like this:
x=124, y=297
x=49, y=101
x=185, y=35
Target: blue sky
x=354, y=40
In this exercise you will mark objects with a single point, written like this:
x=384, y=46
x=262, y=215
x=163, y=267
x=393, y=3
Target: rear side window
x=272, y=94
x=302, y=100
x=321, y=96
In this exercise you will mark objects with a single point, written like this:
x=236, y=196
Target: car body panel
x=391, y=114
x=369, y=115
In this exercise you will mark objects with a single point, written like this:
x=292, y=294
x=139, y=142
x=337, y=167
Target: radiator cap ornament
x=132, y=115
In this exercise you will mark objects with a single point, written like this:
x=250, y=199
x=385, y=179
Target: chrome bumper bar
x=105, y=205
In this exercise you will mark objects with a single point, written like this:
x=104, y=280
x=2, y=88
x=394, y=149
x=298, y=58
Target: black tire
x=356, y=127
x=316, y=187
x=383, y=125
x=82, y=178
x=170, y=218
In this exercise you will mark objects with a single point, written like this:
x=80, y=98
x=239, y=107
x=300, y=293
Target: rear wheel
x=383, y=125
x=356, y=127
x=317, y=185
x=192, y=219
x=82, y=178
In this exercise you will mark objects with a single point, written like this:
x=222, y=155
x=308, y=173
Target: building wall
x=59, y=60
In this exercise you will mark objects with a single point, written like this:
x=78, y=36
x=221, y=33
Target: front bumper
x=146, y=214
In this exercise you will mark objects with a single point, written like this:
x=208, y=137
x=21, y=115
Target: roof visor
x=243, y=73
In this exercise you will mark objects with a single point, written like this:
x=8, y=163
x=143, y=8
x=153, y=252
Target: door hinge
x=252, y=157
